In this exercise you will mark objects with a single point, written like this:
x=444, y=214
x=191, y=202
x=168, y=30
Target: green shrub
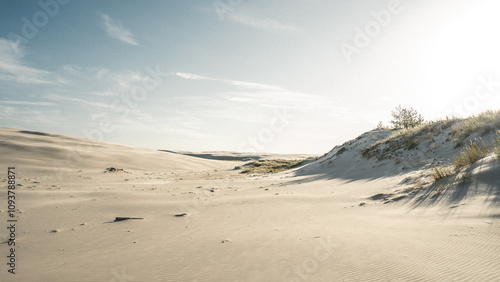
x=405, y=118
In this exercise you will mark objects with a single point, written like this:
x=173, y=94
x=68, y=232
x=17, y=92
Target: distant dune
x=387, y=206
x=237, y=156
x=39, y=150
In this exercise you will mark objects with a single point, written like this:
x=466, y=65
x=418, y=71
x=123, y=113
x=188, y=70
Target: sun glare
x=461, y=51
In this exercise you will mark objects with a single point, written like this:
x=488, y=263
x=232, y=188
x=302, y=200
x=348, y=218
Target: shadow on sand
x=485, y=182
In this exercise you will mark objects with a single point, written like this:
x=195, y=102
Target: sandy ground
x=321, y=222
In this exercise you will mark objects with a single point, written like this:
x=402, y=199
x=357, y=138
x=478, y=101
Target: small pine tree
x=405, y=118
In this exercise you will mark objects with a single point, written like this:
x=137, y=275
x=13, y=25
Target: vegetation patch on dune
x=272, y=165
x=460, y=172
x=458, y=130
x=481, y=124
x=449, y=171
x=406, y=139
x=410, y=131
x=471, y=154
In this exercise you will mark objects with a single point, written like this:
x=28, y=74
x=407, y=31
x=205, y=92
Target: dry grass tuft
x=407, y=139
x=441, y=172
x=482, y=124
x=459, y=130
x=471, y=154
x=496, y=146
x=467, y=157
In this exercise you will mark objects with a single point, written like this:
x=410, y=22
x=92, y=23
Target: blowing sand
x=339, y=218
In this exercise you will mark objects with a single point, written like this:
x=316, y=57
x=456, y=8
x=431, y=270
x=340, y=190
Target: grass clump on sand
x=482, y=124
x=441, y=172
x=471, y=154
x=496, y=147
x=272, y=165
x=450, y=179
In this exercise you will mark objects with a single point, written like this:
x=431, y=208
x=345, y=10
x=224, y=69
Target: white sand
x=308, y=224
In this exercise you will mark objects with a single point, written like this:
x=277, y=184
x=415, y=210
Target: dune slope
x=343, y=217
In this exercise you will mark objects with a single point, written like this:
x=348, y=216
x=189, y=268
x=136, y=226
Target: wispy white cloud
x=274, y=99
x=27, y=103
x=107, y=93
x=123, y=81
x=192, y=76
x=85, y=72
x=104, y=82
x=6, y=112
x=190, y=133
x=267, y=24
x=115, y=30
x=57, y=97
x=30, y=116
x=12, y=67
x=263, y=95
x=240, y=84
x=184, y=125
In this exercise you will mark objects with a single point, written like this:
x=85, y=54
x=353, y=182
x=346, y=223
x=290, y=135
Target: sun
x=459, y=53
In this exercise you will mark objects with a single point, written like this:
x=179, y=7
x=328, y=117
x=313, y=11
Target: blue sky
x=272, y=76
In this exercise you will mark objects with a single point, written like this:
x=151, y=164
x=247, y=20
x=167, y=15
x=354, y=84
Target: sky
x=296, y=76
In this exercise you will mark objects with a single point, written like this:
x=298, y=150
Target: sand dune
x=342, y=217
x=53, y=152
